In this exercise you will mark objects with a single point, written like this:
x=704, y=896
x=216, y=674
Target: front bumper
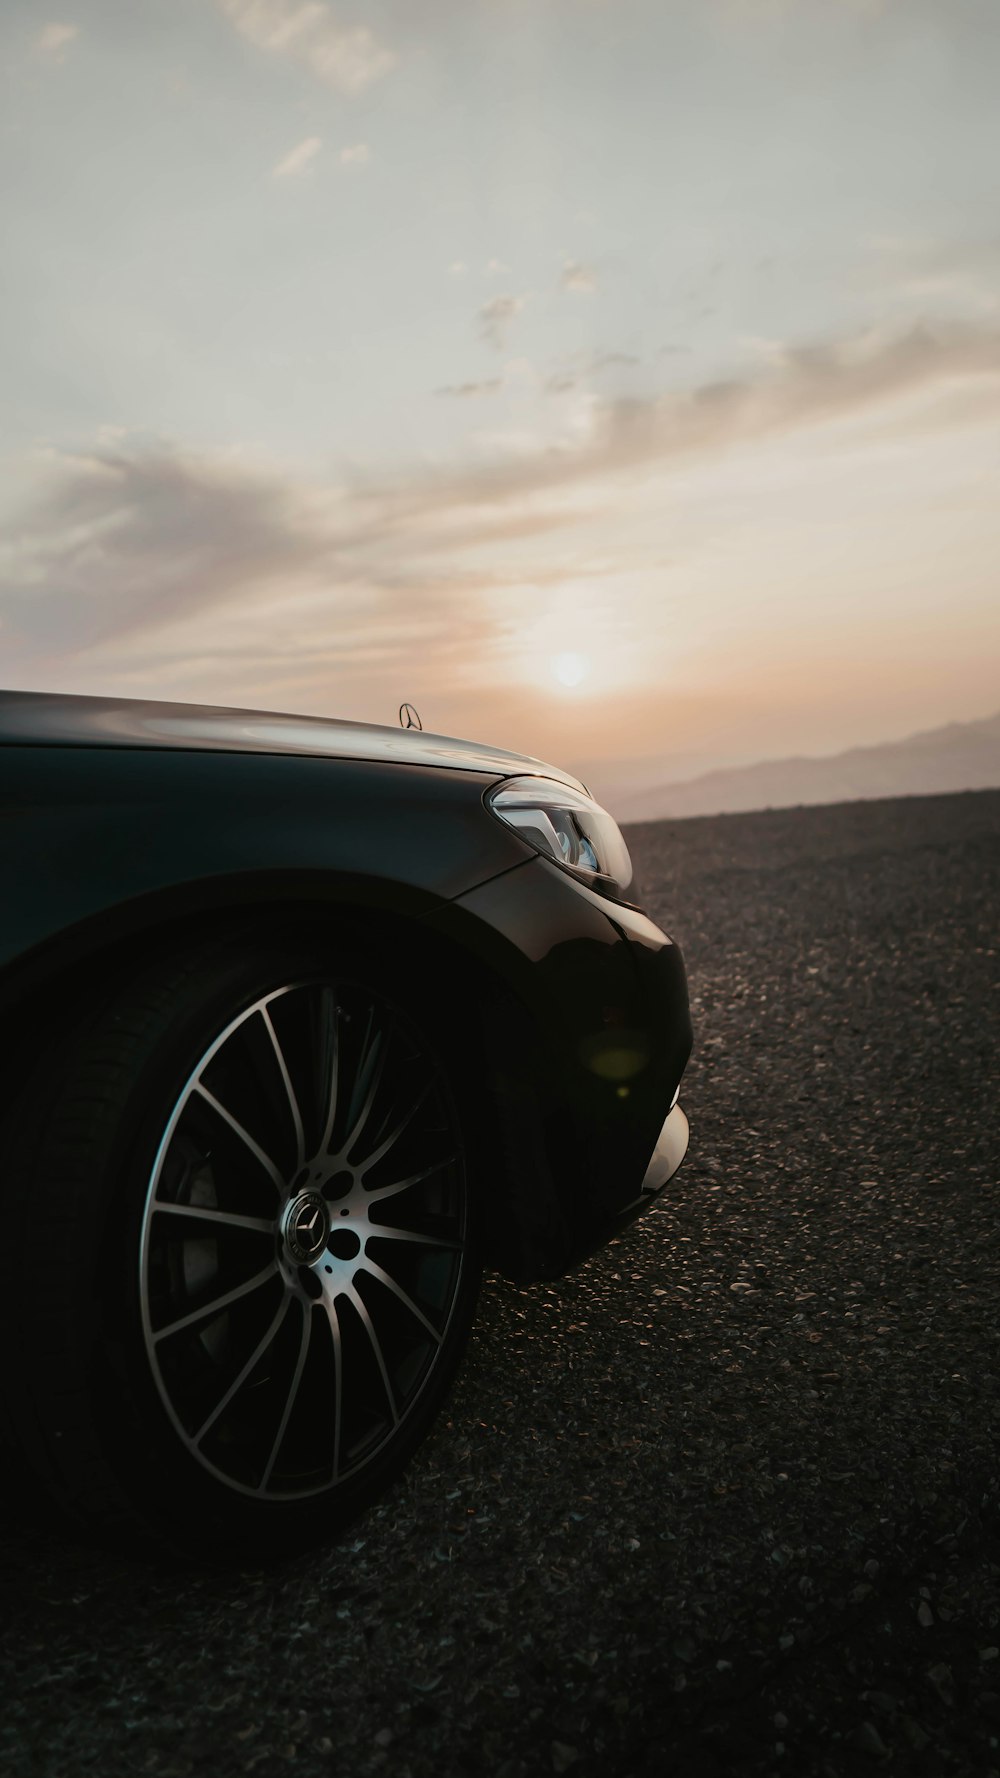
x=671, y=1147
x=583, y=1046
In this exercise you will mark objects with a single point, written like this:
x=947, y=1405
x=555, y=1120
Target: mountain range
x=960, y=756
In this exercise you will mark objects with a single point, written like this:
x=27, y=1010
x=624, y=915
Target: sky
x=616, y=381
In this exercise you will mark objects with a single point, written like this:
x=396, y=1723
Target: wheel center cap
x=306, y=1227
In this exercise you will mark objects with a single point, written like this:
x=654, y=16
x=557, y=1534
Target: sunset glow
x=570, y=669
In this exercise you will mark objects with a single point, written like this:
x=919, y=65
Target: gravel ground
x=725, y=1500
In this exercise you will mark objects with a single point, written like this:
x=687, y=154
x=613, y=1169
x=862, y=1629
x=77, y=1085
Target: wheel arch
x=49, y=993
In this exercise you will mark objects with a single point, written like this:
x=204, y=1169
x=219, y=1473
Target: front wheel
x=266, y=1253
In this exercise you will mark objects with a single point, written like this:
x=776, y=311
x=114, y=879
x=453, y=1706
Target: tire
x=258, y=1256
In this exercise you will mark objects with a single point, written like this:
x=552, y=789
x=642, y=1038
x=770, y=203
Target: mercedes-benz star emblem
x=307, y=1227
x=307, y=1221
x=408, y=717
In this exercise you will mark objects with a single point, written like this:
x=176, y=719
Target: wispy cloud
x=490, y=386
x=347, y=57
x=803, y=385
x=577, y=370
x=298, y=160
x=150, y=558
x=358, y=156
x=55, y=37
x=496, y=316
x=581, y=278
x=962, y=274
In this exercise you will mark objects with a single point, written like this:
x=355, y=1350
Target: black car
x=305, y=1022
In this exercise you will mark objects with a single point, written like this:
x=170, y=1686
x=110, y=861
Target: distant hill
x=960, y=756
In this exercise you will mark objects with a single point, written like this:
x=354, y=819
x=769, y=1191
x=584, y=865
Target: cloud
x=298, y=160
x=164, y=565
x=458, y=268
x=127, y=538
x=496, y=316
x=131, y=548
x=55, y=37
x=804, y=385
x=961, y=274
x=349, y=58
x=578, y=277
x=490, y=386
x=495, y=268
x=575, y=371
x=358, y=156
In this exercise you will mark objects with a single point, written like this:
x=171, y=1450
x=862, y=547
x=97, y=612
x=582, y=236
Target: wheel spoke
x=330, y=1051
x=300, y=1141
x=218, y=1303
x=379, y=1192
x=286, y=1413
x=197, y=1213
x=244, y=1135
x=333, y=1323
x=238, y=1382
x=383, y=1232
x=377, y=1271
x=396, y=1131
x=376, y=1047
x=376, y=1346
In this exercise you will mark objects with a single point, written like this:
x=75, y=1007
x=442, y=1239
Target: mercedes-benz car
x=306, y=1023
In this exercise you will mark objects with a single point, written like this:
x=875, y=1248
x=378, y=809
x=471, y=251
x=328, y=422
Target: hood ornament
x=408, y=717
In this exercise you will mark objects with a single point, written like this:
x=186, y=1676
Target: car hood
x=51, y=719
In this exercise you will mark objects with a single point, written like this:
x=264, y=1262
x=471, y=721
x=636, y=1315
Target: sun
x=570, y=669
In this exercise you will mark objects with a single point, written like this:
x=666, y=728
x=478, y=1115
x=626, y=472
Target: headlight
x=567, y=825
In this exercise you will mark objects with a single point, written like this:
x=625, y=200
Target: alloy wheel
x=303, y=1240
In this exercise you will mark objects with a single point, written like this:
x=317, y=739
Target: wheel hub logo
x=307, y=1228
